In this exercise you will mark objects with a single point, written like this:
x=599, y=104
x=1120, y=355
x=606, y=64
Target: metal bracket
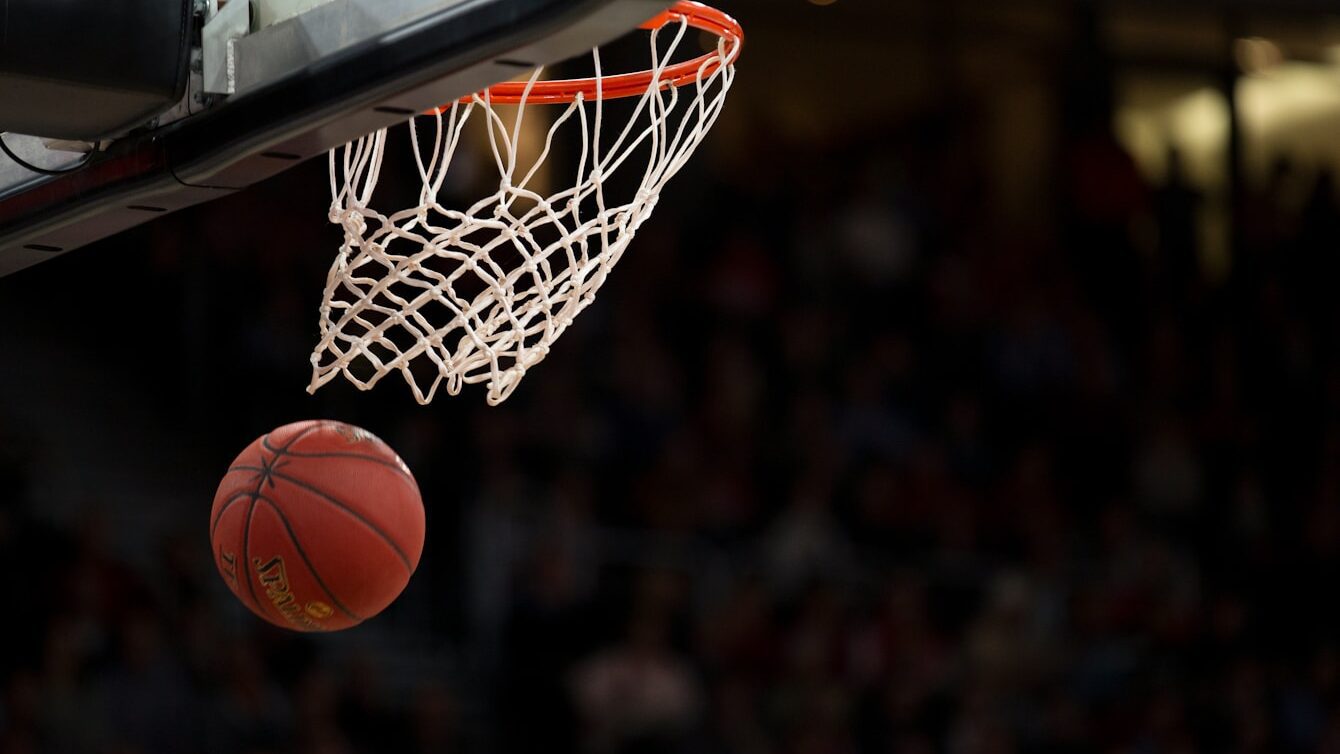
x=218, y=41
x=62, y=145
x=271, y=12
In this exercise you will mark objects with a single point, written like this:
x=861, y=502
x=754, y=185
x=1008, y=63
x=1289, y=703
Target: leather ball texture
x=317, y=526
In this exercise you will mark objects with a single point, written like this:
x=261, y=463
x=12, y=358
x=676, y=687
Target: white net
x=446, y=296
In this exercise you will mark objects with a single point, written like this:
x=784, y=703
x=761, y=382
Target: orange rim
x=565, y=91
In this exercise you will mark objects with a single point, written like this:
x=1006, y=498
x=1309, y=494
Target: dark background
x=975, y=390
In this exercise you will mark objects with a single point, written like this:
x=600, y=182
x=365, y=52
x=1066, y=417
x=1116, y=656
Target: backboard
x=276, y=82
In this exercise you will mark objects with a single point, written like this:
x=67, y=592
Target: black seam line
x=214, y=525
x=284, y=451
x=374, y=459
x=310, y=568
x=315, y=426
x=372, y=527
x=265, y=440
x=246, y=557
x=263, y=471
x=246, y=537
x=260, y=484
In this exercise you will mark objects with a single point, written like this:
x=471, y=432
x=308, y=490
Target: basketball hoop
x=449, y=297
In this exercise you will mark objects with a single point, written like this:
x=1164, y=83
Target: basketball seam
x=246, y=534
x=246, y=555
x=260, y=470
x=360, y=456
x=214, y=525
x=293, y=537
x=355, y=514
x=265, y=439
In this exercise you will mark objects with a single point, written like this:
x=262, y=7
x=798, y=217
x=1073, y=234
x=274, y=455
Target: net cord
x=509, y=325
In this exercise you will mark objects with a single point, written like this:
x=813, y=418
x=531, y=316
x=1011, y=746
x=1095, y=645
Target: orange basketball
x=317, y=526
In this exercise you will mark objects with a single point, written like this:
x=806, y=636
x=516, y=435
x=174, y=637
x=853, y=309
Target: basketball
x=317, y=526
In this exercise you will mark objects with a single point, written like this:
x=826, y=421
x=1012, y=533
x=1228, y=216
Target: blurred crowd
x=841, y=462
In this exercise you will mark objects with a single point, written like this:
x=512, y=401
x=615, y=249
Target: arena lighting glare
x=1257, y=54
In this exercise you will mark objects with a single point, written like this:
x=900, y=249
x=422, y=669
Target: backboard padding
x=391, y=72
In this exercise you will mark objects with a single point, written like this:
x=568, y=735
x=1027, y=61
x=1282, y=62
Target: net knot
x=352, y=221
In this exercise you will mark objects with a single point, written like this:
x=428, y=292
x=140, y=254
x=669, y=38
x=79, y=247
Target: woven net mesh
x=449, y=296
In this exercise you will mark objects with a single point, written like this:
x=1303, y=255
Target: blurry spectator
x=638, y=696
